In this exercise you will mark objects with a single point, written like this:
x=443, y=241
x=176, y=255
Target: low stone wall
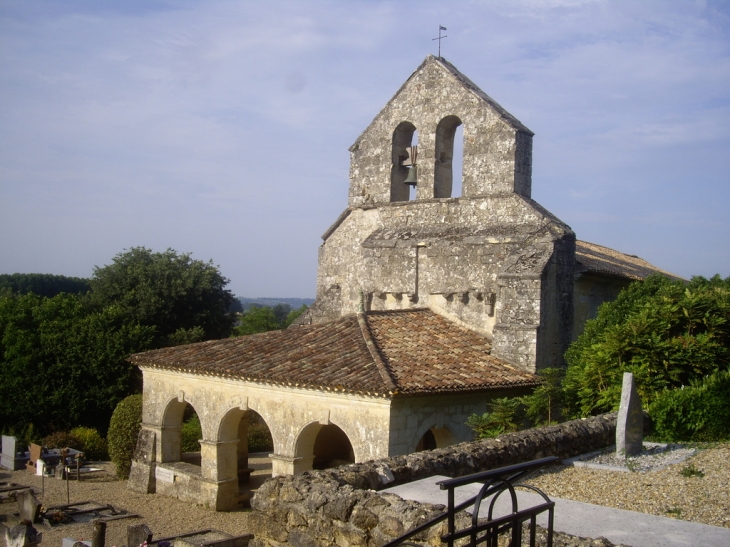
x=342, y=507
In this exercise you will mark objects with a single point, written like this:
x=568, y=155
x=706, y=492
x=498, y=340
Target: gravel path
x=165, y=516
x=665, y=492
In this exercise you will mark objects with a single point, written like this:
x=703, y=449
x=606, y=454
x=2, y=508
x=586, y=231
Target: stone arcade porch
x=363, y=387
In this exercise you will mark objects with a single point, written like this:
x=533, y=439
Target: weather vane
x=440, y=38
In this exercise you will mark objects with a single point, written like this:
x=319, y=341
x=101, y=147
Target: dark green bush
x=667, y=333
x=502, y=417
x=699, y=412
x=259, y=438
x=123, y=431
x=190, y=434
x=62, y=439
x=92, y=444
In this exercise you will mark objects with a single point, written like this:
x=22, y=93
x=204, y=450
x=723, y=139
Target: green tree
x=43, y=284
x=184, y=300
x=257, y=319
x=63, y=364
x=667, y=333
x=543, y=406
x=294, y=315
x=281, y=312
x=501, y=418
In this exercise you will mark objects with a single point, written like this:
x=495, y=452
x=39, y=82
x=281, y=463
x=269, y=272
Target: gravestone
x=28, y=506
x=137, y=534
x=9, y=458
x=22, y=536
x=630, y=421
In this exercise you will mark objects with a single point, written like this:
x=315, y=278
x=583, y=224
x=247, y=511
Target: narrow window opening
x=405, y=138
x=457, y=163
x=444, y=170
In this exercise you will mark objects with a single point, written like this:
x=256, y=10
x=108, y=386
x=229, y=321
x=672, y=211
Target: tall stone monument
x=630, y=422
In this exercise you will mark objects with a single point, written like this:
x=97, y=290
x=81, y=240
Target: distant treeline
x=47, y=285
x=294, y=303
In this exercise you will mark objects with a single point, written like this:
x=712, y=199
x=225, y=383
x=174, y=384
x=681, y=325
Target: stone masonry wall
x=342, y=507
x=497, y=147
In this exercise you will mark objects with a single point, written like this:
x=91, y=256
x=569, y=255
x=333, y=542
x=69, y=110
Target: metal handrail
x=495, y=481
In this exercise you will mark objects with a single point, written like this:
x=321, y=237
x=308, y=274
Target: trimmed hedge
x=123, y=432
x=699, y=412
x=92, y=444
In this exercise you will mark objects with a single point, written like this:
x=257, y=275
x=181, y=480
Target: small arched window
x=405, y=138
x=443, y=171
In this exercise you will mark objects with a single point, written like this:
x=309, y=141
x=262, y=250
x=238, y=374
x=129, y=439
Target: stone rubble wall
x=342, y=506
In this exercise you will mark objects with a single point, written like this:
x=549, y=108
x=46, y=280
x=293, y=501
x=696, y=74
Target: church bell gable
x=411, y=143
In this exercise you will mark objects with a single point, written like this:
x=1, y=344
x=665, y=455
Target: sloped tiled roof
x=596, y=258
x=425, y=353
x=378, y=353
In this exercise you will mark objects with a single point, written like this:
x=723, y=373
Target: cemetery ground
x=697, y=489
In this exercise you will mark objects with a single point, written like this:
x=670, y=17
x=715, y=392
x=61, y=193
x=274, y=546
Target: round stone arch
x=431, y=437
x=317, y=445
x=170, y=449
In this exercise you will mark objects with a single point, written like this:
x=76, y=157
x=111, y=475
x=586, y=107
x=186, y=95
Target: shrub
x=92, y=444
x=259, y=438
x=190, y=433
x=501, y=418
x=123, y=431
x=62, y=439
x=543, y=406
x=699, y=412
x=667, y=333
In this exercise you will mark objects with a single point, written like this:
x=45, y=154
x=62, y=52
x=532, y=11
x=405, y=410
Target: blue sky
x=221, y=128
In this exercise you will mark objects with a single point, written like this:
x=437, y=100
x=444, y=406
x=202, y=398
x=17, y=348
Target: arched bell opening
x=443, y=171
x=403, y=175
x=435, y=437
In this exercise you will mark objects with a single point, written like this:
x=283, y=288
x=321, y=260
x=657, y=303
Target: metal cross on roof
x=440, y=38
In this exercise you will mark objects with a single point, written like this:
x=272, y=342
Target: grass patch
x=691, y=471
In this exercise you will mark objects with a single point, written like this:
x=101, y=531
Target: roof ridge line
x=374, y=353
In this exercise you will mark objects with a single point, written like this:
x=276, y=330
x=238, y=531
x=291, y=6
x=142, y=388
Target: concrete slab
x=584, y=519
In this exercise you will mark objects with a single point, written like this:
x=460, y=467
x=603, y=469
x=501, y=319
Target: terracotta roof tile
x=409, y=352
x=596, y=258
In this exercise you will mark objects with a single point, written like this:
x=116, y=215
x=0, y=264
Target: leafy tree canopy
x=43, y=284
x=185, y=300
x=264, y=318
x=62, y=365
x=667, y=333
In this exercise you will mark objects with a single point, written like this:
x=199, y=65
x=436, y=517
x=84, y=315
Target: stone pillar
x=630, y=421
x=219, y=460
x=243, y=443
x=289, y=465
x=169, y=449
x=219, y=472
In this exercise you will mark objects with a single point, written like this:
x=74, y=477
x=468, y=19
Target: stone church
x=428, y=306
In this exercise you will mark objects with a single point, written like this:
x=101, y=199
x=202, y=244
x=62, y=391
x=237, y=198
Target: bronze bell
x=412, y=178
